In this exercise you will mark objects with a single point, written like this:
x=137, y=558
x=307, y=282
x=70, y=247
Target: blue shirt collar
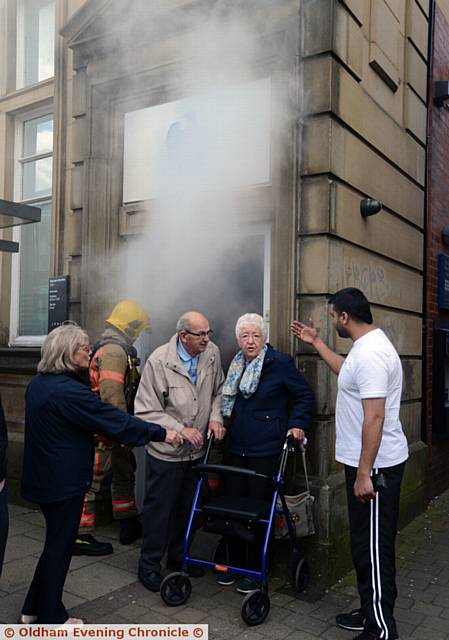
x=182, y=353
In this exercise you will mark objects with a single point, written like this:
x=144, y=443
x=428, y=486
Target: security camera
x=369, y=207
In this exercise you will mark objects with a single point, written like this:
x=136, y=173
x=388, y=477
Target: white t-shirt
x=372, y=369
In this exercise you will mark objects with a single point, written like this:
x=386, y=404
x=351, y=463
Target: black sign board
x=58, y=301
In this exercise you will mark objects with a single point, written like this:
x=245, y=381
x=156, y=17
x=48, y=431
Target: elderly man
x=180, y=389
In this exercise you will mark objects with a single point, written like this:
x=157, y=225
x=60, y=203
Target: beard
x=342, y=332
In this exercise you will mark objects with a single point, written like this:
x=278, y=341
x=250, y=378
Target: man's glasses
x=200, y=334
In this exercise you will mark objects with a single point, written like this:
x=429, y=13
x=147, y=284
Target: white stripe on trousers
x=375, y=566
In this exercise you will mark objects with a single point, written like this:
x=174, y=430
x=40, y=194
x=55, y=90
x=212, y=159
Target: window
x=221, y=137
x=32, y=264
x=35, y=41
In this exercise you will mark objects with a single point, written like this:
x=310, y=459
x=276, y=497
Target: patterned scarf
x=241, y=379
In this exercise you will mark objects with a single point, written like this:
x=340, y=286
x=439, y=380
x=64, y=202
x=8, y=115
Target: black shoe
x=151, y=581
x=86, y=545
x=367, y=635
x=352, y=621
x=193, y=571
x=130, y=530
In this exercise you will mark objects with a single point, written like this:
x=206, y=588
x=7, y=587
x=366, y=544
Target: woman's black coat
x=61, y=417
x=283, y=400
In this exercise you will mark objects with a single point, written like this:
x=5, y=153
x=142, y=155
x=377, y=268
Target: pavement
x=105, y=590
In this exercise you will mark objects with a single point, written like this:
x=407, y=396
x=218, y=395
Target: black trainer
x=87, y=545
x=130, y=530
x=352, y=621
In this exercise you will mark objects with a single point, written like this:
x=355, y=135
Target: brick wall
x=437, y=217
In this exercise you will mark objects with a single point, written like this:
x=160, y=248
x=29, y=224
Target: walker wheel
x=255, y=607
x=175, y=589
x=302, y=575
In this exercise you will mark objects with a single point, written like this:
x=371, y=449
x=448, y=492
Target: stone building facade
x=348, y=104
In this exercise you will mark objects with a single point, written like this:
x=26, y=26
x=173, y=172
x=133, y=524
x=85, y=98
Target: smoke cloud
x=197, y=162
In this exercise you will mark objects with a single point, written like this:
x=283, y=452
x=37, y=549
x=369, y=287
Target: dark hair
x=354, y=303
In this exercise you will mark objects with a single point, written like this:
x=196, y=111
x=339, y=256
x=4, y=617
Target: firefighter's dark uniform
x=114, y=378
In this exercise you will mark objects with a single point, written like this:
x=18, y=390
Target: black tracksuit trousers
x=373, y=527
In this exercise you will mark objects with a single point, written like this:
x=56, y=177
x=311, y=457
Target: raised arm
x=308, y=334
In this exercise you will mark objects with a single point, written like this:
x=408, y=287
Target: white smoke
x=196, y=161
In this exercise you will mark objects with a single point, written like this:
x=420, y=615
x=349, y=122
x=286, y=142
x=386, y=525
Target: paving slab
x=95, y=580
x=20, y=546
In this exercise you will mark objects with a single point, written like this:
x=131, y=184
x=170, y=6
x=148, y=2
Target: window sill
x=19, y=360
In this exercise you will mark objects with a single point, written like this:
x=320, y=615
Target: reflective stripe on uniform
x=111, y=375
x=124, y=505
x=87, y=520
x=97, y=469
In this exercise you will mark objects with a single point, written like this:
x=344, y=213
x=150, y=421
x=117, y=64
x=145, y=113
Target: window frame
x=16, y=340
x=20, y=54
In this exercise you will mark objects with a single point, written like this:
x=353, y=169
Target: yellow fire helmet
x=130, y=318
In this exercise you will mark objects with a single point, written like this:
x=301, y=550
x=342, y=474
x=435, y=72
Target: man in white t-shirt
x=372, y=446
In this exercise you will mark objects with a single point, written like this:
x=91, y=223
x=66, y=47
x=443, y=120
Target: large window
x=32, y=265
x=35, y=41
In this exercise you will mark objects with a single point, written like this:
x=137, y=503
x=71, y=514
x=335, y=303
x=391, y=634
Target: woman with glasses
x=61, y=417
x=265, y=398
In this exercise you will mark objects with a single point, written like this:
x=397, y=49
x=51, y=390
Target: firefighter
x=114, y=377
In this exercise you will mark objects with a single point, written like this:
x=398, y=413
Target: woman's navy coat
x=61, y=417
x=283, y=400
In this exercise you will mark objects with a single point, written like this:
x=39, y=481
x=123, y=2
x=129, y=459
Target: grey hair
x=59, y=348
x=183, y=324
x=251, y=318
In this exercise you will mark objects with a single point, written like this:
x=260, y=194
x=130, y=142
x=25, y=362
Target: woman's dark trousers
x=44, y=598
x=373, y=527
x=242, y=554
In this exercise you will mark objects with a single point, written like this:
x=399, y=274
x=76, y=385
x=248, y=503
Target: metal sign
x=9, y=246
x=58, y=301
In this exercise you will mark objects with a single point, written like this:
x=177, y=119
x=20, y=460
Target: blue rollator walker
x=237, y=516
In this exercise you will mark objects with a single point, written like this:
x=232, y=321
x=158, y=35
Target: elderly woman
x=265, y=399
x=61, y=417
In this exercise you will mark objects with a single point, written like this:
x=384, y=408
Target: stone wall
x=364, y=134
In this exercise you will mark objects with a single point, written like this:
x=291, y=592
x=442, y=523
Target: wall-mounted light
x=441, y=94
x=369, y=207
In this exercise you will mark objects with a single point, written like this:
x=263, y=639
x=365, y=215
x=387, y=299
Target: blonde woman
x=61, y=417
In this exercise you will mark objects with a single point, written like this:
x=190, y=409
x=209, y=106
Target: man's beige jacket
x=168, y=397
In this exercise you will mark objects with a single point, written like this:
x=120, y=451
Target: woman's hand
x=305, y=332
x=173, y=437
x=217, y=429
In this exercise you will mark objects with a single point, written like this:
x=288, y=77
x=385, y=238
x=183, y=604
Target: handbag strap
x=303, y=455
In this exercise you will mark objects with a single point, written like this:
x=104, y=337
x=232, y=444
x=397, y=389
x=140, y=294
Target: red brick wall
x=437, y=217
